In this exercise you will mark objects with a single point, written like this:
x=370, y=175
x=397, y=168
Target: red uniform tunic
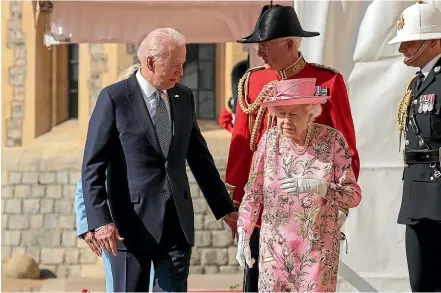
x=246, y=132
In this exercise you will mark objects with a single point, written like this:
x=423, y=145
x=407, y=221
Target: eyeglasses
x=264, y=48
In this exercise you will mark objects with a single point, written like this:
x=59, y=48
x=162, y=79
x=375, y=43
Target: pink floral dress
x=299, y=236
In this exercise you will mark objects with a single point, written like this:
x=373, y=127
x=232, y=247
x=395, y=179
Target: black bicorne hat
x=277, y=21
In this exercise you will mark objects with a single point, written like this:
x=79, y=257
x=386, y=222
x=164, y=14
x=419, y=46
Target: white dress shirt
x=148, y=90
x=428, y=67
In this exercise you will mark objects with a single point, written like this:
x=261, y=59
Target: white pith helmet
x=421, y=21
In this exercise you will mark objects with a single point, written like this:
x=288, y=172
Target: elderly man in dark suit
x=141, y=133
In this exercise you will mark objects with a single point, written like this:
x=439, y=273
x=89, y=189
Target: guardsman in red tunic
x=227, y=115
x=277, y=37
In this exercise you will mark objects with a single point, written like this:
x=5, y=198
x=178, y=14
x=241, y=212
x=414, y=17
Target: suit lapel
x=173, y=97
x=427, y=81
x=139, y=108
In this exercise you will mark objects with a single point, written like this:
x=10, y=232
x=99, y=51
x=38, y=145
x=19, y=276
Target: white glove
x=341, y=218
x=304, y=185
x=243, y=250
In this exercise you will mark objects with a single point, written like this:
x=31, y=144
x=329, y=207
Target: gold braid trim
x=249, y=109
x=244, y=81
x=263, y=95
x=403, y=108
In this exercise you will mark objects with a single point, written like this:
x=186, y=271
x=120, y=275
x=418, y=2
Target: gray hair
x=314, y=110
x=126, y=73
x=154, y=44
x=296, y=40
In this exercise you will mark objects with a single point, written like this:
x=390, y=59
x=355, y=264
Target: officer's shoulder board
x=333, y=70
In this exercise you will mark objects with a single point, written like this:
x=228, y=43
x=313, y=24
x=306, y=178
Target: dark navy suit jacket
x=122, y=146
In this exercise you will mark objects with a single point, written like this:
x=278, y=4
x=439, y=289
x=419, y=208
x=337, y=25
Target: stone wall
x=16, y=74
x=98, y=66
x=38, y=190
x=132, y=50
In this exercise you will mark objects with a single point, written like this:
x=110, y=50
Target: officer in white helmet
x=419, y=119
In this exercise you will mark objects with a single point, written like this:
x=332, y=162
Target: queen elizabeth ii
x=301, y=176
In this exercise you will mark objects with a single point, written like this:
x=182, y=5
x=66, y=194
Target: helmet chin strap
x=410, y=60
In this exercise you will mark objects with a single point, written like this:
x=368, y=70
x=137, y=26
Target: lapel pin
x=176, y=96
x=437, y=69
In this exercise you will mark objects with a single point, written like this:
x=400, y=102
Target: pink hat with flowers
x=296, y=92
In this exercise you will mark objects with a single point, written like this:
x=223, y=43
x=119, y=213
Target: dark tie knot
x=419, y=79
x=158, y=97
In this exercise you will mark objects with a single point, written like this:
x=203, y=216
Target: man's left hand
x=107, y=236
x=231, y=221
x=92, y=242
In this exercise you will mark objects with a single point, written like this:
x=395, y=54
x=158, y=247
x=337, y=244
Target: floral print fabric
x=299, y=237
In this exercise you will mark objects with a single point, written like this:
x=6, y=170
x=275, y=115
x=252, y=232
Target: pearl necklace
x=302, y=150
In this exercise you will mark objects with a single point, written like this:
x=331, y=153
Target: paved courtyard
x=218, y=142
x=219, y=282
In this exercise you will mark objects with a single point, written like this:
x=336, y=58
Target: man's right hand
x=93, y=243
x=231, y=221
x=106, y=236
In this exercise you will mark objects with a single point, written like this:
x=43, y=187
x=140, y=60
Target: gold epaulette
x=250, y=108
x=403, y=108
x=325, y=67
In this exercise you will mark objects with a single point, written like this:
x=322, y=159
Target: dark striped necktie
x=163, y=124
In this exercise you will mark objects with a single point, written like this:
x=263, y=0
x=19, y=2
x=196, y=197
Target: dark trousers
x=251, y=275
x=171, y=260
x=423, y=250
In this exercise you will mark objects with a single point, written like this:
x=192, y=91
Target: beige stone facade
x=42, y=147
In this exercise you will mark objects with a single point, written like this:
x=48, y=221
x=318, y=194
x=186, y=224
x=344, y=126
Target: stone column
x=14, y=58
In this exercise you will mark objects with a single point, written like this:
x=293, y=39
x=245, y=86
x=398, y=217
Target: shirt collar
x=145, y=85
x=293, y=69
x=428, y=67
